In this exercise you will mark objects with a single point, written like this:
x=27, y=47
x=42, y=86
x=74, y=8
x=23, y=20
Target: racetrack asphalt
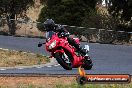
x=107, y=59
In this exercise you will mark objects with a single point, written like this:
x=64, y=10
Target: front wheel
x=63, y=60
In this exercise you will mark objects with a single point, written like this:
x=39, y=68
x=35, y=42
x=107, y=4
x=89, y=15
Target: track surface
x=107, y=59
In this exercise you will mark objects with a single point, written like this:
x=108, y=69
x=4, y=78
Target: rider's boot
x=83, y=51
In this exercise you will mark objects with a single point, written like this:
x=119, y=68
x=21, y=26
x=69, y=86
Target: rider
x=51, y=27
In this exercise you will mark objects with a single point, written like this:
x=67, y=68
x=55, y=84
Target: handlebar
x=40, y=44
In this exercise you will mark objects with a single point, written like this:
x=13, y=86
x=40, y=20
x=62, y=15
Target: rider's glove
x=67, y=34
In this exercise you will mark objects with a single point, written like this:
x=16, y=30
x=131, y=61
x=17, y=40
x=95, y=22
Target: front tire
x=60, y=59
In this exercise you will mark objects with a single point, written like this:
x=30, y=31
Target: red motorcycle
x=66, y=54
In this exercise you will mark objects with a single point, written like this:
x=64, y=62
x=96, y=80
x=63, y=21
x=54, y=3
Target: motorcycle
x=66, y=54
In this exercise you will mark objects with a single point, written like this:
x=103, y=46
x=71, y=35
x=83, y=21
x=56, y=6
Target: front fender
x=58, y=51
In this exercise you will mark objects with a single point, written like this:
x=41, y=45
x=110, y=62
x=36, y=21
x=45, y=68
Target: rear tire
x=61, y=61
x=88, y=64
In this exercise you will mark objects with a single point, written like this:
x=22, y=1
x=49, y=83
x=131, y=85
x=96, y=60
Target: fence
x=29, y=28
x=102, y=35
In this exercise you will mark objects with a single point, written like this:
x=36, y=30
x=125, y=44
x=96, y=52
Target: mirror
x=39, y=45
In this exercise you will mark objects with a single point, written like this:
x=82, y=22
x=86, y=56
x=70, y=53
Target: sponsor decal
x=82, y=78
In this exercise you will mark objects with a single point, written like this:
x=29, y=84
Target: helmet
x=49, y=25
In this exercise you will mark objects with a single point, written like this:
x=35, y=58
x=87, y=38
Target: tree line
x=12, y=8
x=84, y=13
x=74, y=12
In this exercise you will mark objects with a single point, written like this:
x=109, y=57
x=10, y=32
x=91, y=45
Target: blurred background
x=102, y=21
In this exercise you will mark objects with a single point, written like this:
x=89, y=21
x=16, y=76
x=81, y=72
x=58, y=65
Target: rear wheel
x=63, y=60
x=88, y=64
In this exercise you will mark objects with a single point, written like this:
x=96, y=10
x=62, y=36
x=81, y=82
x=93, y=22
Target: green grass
x=72, y=85
x=95, y=86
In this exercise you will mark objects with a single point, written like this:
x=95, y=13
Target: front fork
x=66, y=58
x=53, y=52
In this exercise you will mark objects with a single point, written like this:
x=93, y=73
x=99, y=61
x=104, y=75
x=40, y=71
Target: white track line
x=3, y=69
x=19, y=68
x=4, y=49
x=39, y=67
x=49, y=66
x=57, y=65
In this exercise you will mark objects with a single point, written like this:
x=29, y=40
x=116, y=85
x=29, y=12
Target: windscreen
x=49, y=34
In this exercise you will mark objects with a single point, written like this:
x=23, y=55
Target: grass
x=9, y=58
x=74, y=85
x=28, y=86
x=95, y=86
x=52, y=82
